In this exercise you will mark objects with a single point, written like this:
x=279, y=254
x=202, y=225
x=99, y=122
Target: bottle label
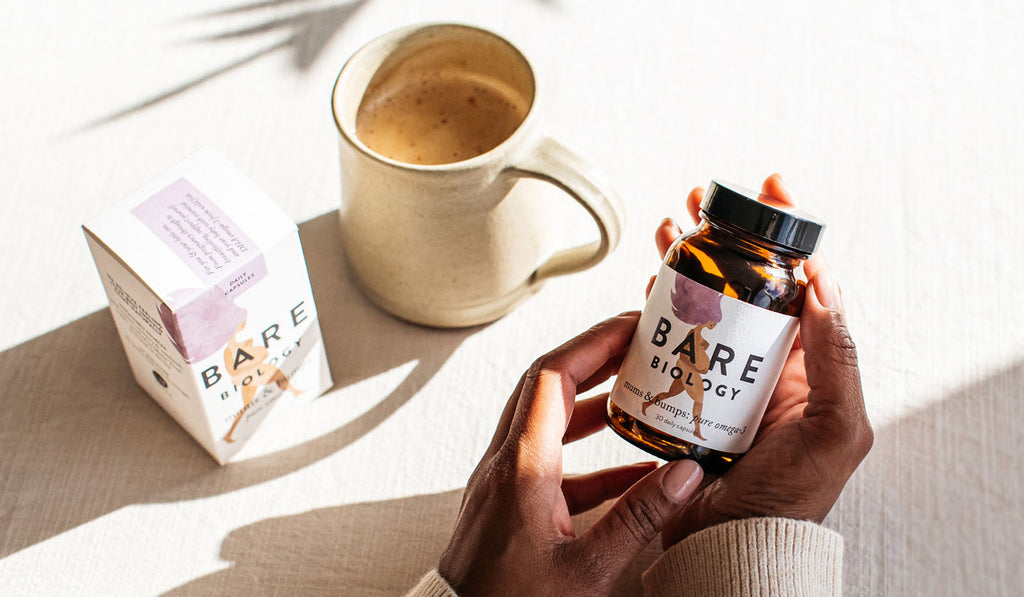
x=703, y=365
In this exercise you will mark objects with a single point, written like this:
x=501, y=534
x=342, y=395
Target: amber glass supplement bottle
x=716, y=331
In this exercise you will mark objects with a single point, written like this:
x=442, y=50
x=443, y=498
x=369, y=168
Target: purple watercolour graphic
x=699, y=306
x=200, y=322
x=694, y=303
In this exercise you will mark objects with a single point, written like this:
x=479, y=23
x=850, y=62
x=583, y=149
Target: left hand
x=514, y=534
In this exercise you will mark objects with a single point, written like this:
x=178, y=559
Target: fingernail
x=785, y=185
x=825, y=289
x=681, y=479
x=668, y=222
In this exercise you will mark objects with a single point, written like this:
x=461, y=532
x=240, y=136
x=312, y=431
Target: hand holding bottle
x=514, y=535
x=815, y=430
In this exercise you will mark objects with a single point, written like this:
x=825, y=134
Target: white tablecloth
x=900, y=124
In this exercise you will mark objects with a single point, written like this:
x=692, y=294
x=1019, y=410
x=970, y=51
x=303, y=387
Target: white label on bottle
x=703, y=365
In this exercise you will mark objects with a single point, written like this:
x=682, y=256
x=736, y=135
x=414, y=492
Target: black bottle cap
x=739, y=207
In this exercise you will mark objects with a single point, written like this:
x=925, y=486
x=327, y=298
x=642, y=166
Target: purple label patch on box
x=203, y=237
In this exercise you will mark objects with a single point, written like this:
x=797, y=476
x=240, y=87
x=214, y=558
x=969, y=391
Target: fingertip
x=681, y=479
x=830, y=354
x=813, y=264
x=665, y=235
x=776, y=190
x=823, y=283
x=667, y=226
x=693, y=201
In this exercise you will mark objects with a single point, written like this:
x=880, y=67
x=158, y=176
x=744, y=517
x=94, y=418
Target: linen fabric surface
x=897, y=124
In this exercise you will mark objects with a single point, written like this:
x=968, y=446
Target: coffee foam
x=439, y=116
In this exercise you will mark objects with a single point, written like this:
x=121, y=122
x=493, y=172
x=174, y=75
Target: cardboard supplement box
x=209, y=291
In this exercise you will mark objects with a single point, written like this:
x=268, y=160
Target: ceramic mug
x=455, y=243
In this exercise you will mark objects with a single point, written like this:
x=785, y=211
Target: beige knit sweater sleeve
x=756, y=556
x=752, y=557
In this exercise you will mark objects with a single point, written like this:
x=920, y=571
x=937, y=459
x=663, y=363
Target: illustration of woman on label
x=699, y=306
x=245, y=363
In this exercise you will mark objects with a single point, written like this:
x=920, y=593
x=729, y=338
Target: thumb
x=638, y=516
x=830, y=355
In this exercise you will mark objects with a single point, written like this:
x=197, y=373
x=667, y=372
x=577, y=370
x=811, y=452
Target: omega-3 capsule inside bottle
x=715, y=333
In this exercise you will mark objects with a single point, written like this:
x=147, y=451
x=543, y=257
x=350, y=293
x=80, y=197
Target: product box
x=209, y=291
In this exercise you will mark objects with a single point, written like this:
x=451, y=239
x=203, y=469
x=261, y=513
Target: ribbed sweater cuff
x=755, y=556
x=432, y=585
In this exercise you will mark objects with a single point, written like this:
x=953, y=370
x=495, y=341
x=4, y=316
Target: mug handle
x=552, y=162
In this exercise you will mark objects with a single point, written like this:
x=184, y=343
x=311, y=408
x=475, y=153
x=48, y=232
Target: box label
x=203, y=237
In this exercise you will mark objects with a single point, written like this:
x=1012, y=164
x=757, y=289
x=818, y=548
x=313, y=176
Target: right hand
x=815, y=430
x=514, y=535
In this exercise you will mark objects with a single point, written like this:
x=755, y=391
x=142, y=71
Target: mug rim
x=398, y=35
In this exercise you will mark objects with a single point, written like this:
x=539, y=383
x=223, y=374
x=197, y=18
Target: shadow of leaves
x=308, y=31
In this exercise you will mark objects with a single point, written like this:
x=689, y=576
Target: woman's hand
x=514, y=534
x=815, y=430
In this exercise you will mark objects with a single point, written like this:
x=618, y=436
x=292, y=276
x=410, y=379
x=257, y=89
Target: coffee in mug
x=439, y=116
